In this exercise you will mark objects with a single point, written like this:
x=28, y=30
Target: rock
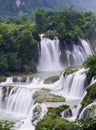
x=71, y=69
x=36, y=113
x=23, y=79
x=51, y=79
x=68, y=113
x=44, y=95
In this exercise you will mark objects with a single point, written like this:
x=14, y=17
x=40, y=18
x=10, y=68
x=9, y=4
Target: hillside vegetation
x=11, y=8
x=19, y=37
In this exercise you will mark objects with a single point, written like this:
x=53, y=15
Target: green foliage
x=3, y=64
x=6, y=125
x=53, y=121
x=19, y=36
x=2, y=78
x=71, y=69
x=10, y=9
x=50, y=34
x=87, y=124
x=67, y=23
x=20, y=46
x=13, y=62
x=90, y=96
x=91, y=64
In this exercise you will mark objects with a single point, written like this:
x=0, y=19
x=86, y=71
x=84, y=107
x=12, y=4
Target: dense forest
x=19, y=36
x=10, y=8
x=16, y=7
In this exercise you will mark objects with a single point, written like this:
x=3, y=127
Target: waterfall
x=18, y=100
x=49, y=59
x=71, y=113
x=73, y=85
x=88, y=111
x=78, y=54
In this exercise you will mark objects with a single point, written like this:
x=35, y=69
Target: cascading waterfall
x=88, y=111
x=19, y=99
x=78, y=54
x=73, y=85
x=49, y=59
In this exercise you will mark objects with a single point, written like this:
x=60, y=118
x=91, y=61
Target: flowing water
x=78, y=54
x=49, y=59
x=89, y=111
x=17, y=103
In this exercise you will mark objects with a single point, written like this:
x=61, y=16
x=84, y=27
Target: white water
x=78, y=54
x=49, y=59
x=88, y=111
x=75, y=111
x=72, y=86
x=19, y=104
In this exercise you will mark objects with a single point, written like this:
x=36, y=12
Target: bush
x=91, y=64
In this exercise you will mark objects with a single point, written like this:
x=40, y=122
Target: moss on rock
x=51, y=79
x=71, y=69
x=2, y=78
x=90, y=96
x=44, y=95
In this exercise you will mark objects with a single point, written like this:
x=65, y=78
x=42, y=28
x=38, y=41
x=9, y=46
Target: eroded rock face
x=44, y=95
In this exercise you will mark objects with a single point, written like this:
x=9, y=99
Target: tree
x=3, y=64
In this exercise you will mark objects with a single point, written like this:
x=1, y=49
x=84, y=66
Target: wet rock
x=71, y=69
x=44, y=95
x=51, y=79
x=68, y=113
x=36, y=114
